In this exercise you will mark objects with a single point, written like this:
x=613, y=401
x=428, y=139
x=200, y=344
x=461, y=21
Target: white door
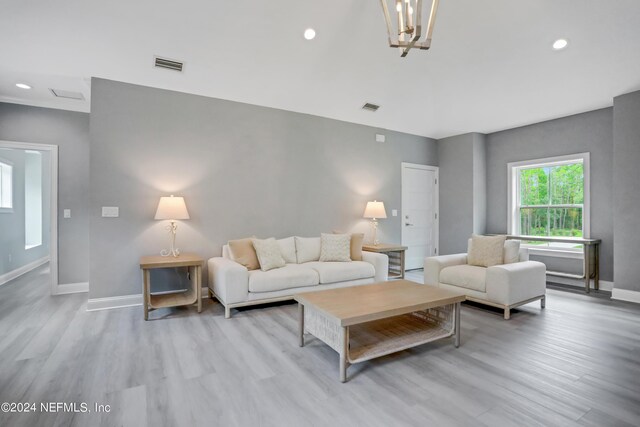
x=419, y=213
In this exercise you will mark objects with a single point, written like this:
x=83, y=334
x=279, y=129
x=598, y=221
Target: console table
x=590, y=263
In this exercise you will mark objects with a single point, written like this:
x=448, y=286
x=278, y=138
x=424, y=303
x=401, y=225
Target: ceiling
x=491, y=65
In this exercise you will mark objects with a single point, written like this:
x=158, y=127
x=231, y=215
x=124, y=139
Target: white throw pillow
x=511, y=252
x=307, y=249
x=288, y=249
x=486, y=251
x=335, y=247
x=268, y=252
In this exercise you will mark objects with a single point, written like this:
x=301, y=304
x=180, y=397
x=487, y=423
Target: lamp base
x=174, y=252
x=374, y=232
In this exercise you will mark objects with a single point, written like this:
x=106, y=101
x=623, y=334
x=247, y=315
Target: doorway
x=419, y=213
x=28, y=212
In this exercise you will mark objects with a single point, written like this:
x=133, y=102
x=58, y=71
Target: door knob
x=408, y=225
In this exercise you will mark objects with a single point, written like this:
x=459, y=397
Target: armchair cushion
x=465, y=276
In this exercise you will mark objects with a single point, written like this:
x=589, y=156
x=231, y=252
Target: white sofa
x=505, y=286
x=235, y=286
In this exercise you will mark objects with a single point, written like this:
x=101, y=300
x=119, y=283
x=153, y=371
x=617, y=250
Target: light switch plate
x=394, y=212
x=110, y=212
x=380, y=137
x=67, y=213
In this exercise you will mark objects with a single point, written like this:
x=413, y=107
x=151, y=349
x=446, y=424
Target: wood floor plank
x=574, y=363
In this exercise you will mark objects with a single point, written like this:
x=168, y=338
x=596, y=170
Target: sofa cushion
x=335, y=247
x=288, y=250
x=287, y=277
x=486, y=251
x=331, y=272
x=465, y=276
x=307, y=249
x=269, y=254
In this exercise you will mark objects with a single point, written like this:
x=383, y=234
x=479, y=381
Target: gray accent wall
x=70, y=132
x=462, y=190
x=479, y=183
x=243, y=170
x=588, y=132
x=626, y=195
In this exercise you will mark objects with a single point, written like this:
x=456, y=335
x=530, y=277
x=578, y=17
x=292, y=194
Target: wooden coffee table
x=365, y=322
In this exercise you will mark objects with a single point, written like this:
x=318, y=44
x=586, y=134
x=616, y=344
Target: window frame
x=6, y=162
x=513, y=207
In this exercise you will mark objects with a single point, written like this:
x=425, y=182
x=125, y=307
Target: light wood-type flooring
x=575, y=363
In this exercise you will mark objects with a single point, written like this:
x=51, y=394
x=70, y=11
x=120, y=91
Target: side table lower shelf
x=173, y=300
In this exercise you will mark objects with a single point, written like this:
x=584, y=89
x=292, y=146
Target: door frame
x=53, y=205
x=436, y=169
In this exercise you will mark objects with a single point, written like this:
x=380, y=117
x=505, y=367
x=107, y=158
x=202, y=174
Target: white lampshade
x=375, y=209
x=172, y=208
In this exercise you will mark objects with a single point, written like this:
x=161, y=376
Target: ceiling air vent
x=168, y=64
x=370, y=107
x=67, y=94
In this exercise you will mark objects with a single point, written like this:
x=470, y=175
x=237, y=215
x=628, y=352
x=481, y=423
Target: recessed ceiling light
x=560, y=44
x=309, y=33
x=23, y=86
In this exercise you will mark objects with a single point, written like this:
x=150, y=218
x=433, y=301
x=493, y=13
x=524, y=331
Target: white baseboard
x=108, y=303
x=625, y=295
x=95, y=304
x=605, y=285
x=72, y=288
x=7, y=277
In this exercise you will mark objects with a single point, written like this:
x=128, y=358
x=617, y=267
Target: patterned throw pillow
x=357, y=240
x=486, y=251
x=268, y=252
x=335, y=247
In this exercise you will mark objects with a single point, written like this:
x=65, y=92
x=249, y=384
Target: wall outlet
x=110, y=212
x=10, y=258
x=394, y=212
x=67, y=213
x=380, y=137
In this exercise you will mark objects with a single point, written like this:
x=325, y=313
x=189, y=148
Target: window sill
x=556, y=253
x=27, y=247
x=6, y=210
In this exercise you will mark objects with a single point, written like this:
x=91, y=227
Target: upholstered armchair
x=504, y=286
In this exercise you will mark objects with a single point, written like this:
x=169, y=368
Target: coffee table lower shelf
x=366, y=341
x=382, y=337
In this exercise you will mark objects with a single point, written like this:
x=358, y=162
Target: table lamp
x=375, y=210
x=172, y=208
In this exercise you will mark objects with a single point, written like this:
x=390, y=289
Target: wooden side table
x=191, y=296
x=395, y=254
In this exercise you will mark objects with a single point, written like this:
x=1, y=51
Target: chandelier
x=409, y=32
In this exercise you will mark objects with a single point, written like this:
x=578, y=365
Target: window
x=32, y=199
x=550, y=198
x=6, y=187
